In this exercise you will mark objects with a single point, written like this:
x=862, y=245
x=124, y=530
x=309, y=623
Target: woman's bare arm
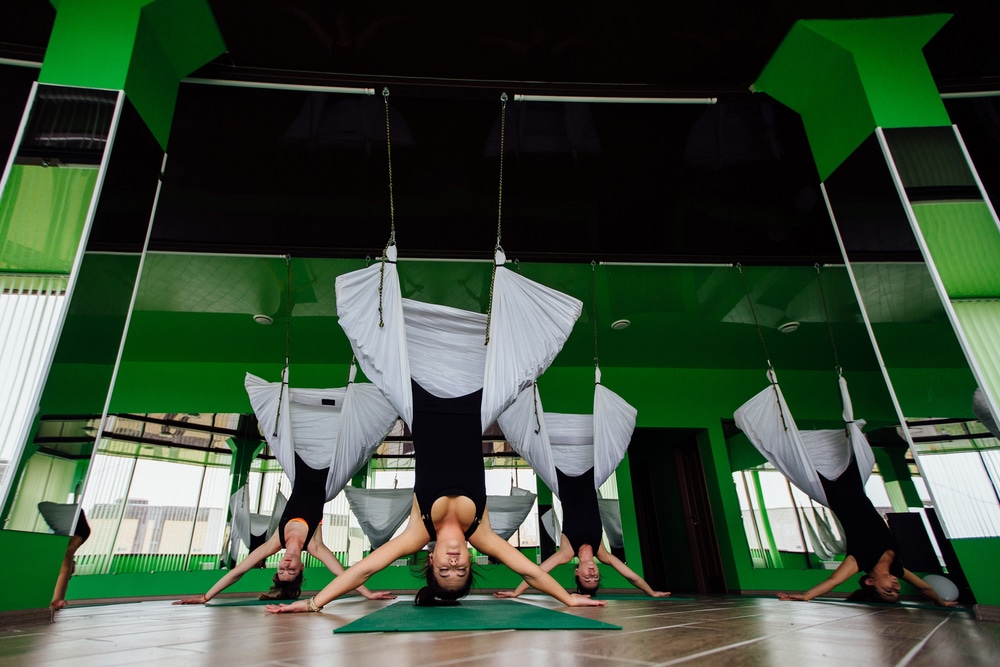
x=621, y=568
x=411, y=540
x=563, y=555
x=272, y=546
x=926, y=589
x=319, y=549
x=847, y=569
x=491, y=544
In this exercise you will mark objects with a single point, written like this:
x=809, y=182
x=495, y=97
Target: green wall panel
x=964, y=241
x=144, y=47
x=979, y=558
x=29, y=587
x=847, y=77
x=42, y=215
x=89, y=48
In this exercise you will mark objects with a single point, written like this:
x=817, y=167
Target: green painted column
x=107, y=64
x=626, y=507
x=897, y=177
x=143, y=47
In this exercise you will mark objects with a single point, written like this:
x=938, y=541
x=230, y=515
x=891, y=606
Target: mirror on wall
x=74, y=218
x=927, y=320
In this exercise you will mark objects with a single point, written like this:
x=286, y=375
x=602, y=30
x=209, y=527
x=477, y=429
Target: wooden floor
x=702, y=631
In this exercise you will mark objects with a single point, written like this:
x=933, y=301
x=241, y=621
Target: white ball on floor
x=944, y=587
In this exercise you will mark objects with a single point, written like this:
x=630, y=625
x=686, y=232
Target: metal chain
x=760, y=335
x=753, y=312
x=392, y=208
x=493, y=275
x=593, y=290
x=388, y=150
x=288, y=337
x=829, y=325
x=503, y=126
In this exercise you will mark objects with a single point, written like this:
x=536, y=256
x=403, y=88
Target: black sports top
x=448, y=452
x=308, y=498
x=581, y=513
x=868, y=536
x=82, y=529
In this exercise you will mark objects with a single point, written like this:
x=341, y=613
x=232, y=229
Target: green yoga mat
x=404, y=616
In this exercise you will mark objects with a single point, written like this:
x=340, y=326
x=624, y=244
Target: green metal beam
x=847, y=77
x=144, y=47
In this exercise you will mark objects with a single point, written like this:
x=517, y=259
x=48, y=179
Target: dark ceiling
x=276, y=170
x=272, y=171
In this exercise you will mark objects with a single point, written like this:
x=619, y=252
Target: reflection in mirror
x=961, y=460
x=897, y=208
x=29, y=308
x=157, y=493
x=785, y=528
x=54, y=471
x=48, y=189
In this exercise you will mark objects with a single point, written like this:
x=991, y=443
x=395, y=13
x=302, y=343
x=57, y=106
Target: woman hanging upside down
x=871, y=548
x=296, y=531
x=449, y=508
x=581, y=531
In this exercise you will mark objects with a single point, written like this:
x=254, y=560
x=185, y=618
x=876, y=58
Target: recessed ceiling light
x=619, y=325
x=788, y=327
x=262, y=319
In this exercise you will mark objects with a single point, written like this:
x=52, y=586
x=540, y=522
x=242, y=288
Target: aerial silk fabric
x=825, y=543
x=244, y=524
x=59, y=516
x=336, y=428
x=611, y=521
x=573, y=443
x=381, y=512
x=446, y=350
x=507, y=513
x=981, y=408
x=801, y=456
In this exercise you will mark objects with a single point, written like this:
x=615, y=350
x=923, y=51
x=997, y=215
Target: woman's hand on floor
x=791, y=597
x=301, y=605
x=578, y=600
x=192, y=599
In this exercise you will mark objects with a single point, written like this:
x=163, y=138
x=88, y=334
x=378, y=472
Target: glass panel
x=926, y=364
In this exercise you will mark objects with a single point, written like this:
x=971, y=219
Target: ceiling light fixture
x=620, y=325
x=788, y=327
x=262, y=319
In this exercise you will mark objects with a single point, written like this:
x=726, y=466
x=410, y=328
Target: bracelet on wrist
x=313, y=606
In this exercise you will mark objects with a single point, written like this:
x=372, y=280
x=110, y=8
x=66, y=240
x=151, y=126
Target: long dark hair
x=284, y=590
x=433, y=595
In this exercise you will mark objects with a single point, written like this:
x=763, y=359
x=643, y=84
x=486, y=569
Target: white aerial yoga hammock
x=825, y=544
x=382, y=511
x=802, y=456
x=571, y=442
x=244, y=524
x=379, y=511
x=340, y=428
x=507, y=513
x=611, y=522
x=442, y=348
x=981, y=408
